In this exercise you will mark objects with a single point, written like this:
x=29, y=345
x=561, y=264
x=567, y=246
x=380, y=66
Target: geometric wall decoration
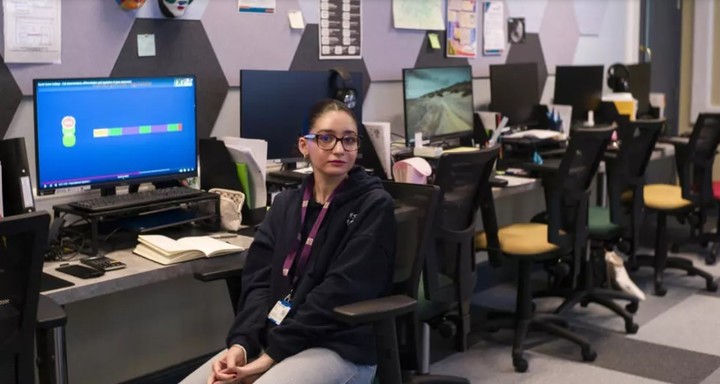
x=306, y=58
x=530, y=52
x=387, y=50
x=251, y=40
x=429, y=57
x=532, y=10
x=181, y=47
x=311, y=11
x=10, y=97
x=559, y=34
x=92, y=34
x=590, y=16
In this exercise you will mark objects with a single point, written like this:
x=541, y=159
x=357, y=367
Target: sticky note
x=434, y=40
x=296, y=20
x=146, y=45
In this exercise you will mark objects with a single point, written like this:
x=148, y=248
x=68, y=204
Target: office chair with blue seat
x=567, y=194
x=23, y=240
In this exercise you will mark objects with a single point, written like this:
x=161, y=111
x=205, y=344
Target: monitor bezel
x=410, y=139
x=41, y=191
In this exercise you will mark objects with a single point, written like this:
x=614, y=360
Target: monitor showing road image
x=438, y=102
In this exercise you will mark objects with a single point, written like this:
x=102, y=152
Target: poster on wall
x=32, y=31
x=462, y=31
x=256, y=6
x=418, y=14
x=493, y=28
x=340, y=30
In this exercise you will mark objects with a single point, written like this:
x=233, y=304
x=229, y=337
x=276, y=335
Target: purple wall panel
x=251, y=41
x=559, y=34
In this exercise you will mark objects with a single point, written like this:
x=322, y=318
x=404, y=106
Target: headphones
x=618, y=78
x=341, y=87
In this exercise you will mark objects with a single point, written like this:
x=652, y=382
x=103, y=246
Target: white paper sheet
x=379, y=133
x=32, y=31
x=493, y=28
x=418, y=14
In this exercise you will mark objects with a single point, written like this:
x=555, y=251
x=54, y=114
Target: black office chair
x=387, y=315
x=567, y=193
x=608, y=226
x=449, y=276
x=691, y=198
x=23, y=239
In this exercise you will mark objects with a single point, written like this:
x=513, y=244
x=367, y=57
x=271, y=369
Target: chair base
x=673, y=263
x=604, y=297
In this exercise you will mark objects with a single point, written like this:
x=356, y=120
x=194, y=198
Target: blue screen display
x=114, y=130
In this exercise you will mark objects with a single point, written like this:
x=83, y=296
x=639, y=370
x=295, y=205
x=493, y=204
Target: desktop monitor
x=438, y=102
x=580, y=87
x=104, y=132
x=639, y=83
x=515, y=91
x=274, y=106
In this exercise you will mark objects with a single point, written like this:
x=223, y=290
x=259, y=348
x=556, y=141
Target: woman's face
x=177, y=7
x=335, y=161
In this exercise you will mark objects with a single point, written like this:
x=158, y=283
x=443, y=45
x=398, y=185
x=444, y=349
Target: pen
x=224, y=236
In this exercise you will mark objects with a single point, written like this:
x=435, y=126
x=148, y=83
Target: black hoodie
x=351, y=260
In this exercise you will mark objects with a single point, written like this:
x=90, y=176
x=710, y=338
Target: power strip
x=431, y=152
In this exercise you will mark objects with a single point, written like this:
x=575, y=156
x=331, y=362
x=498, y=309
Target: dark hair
x=322, y=107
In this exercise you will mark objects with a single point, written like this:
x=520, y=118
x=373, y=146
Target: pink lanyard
x=305, y=253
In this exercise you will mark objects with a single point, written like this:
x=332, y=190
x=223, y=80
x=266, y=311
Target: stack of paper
x=250, y=157
x=379, y=133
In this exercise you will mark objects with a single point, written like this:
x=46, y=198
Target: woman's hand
x=232, y=358
x=247, y=374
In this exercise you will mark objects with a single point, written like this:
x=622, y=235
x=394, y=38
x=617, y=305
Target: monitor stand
x=107, y=191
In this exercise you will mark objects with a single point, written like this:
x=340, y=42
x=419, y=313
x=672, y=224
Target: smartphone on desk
x=80, y=271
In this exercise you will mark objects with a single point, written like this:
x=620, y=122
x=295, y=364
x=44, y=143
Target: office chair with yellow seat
x=567, y=194
x=694, y=194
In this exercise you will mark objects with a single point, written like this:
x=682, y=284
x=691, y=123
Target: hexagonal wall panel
x=387, y=50
x=532, y=10
x=90, y=45
x=590, y=15
x=182, y=47
x=530, y=52
x=559, y=34
x=311, y=11
x=151, y=9
x=307, y=53
x=251, y=40
x=10, y=100
x=429, y=57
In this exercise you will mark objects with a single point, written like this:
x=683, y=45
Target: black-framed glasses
x=327, y=141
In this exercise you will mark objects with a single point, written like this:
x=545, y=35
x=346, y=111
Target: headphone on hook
x=341, y=86
x=618, y=78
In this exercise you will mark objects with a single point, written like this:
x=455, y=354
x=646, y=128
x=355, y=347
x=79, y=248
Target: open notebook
x=164, y=250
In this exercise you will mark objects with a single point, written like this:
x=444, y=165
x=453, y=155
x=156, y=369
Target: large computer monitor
x=104, y=132
x=580, y=87
x=274, y=105
x=438, y=102
x=515, y=91
x=639, y=83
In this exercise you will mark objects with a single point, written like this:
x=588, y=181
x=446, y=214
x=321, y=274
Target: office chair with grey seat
x=23, y=240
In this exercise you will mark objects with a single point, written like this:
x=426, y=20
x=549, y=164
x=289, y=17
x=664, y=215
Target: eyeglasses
x=327, y=141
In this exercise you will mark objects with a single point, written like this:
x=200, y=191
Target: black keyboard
x=106, y=203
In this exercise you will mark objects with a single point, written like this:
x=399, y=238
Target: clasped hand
x=229, y=368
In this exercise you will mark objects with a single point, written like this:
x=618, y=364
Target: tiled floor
x=678, y=340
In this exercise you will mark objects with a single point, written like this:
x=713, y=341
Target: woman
x=327, y=244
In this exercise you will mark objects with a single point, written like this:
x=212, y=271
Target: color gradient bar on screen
x=140, y=130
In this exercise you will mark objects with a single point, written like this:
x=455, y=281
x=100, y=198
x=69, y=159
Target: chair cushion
x=599, y=224
x=664, y=197
x=524, y=239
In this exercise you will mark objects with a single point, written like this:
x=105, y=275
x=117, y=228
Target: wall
x=98, y=41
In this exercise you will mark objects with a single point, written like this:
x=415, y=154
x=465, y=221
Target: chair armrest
x=220, y=272
x=50, y=314
x=369, y=311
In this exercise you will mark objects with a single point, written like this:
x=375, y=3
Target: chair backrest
x=567, y=191
x=695, y=165
x=626, y=173
x=23, y=241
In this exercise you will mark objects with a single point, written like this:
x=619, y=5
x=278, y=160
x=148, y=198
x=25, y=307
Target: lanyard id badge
x=279, y=311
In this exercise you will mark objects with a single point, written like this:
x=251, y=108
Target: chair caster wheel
x=447, y=329
x=584, y=303
x=660, y=290
x=631, y=328
x=589, y=355
x=711, y=286
x=520, y=364
x=632, y=307
x=710, y=260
